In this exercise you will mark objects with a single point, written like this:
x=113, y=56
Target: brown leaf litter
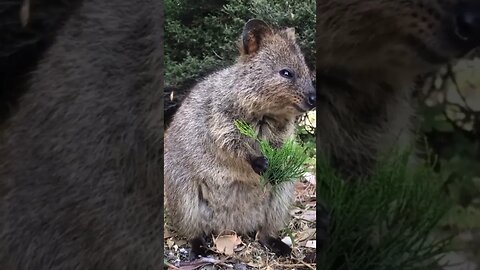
x=232, y=251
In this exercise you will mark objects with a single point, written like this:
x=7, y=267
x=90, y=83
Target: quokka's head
x=415, y=35
x=274, y=76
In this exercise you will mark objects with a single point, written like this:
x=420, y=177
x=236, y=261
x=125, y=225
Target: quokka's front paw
x=259, y=164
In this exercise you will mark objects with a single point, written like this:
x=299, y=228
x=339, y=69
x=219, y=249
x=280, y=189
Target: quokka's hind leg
x=275, y=245
x=277, y=217
x=198, y=247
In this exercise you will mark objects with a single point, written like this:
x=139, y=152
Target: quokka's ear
x=253, y=32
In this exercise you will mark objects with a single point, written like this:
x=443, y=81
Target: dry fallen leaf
x=226, y=243
x=305, y=235
x=311, y=244
x=300, y=187
x=254, y=265
x=309, y=215
x=181, y=242
x=170, y=242
x=310, y=178
x=166, y=233
x=304, y=192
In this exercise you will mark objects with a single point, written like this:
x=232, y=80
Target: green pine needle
x=246, y=129
x=286, y=163
x=386, y=221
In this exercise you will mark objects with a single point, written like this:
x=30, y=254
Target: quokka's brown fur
x=369, y=54
x=80, y=158
x=211, y=170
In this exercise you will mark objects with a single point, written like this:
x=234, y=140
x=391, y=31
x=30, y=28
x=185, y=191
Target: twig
x=221, y=58
x=171, y=266
x=304, y=263
x=295, y=265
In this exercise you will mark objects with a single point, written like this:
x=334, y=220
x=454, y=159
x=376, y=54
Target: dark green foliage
x=286, y=163
x=201, y=36
x=384, y=222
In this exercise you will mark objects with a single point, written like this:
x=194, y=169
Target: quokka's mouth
x=300, y=109
x=303, y=108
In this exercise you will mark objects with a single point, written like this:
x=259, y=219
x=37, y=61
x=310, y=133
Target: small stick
x=171, y=266
x=295, y=265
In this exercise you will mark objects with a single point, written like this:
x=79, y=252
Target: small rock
x=287, y=240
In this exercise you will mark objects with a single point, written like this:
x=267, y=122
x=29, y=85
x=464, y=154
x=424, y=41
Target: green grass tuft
x=386, y=221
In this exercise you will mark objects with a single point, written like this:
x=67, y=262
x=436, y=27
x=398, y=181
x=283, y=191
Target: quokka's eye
x=286, y=73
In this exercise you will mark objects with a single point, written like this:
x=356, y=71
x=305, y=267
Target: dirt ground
x=231, y=251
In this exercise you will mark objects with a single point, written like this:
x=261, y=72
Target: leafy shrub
x=201, y=36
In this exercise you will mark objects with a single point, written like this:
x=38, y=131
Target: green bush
x=201, y=36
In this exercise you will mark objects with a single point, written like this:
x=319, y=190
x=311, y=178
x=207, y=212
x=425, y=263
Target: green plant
x=286, y=163
x=386, y=221
x=201, y=36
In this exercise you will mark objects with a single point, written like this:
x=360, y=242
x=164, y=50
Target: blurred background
x=449, y=110
x=199, y=37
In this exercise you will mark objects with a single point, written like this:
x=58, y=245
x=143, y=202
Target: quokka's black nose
x=311, y=100
x=467, y=23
